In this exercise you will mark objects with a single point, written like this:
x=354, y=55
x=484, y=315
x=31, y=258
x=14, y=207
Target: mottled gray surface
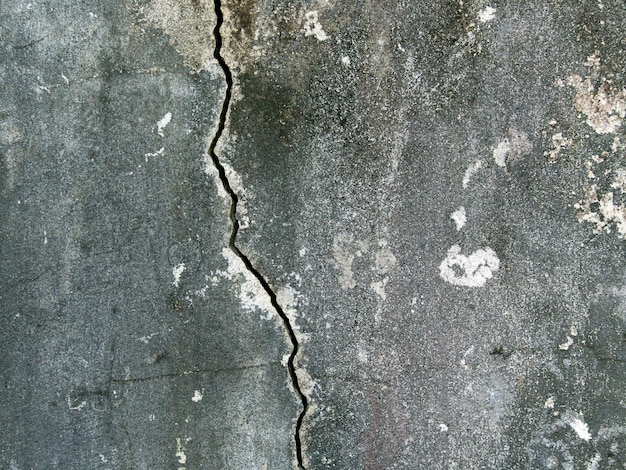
x=356, y=131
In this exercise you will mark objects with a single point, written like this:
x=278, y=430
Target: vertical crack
x=235, y=229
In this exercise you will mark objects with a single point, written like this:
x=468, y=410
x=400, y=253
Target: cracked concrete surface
x=276, y=234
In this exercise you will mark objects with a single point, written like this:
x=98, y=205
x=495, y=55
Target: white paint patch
x=471, y=271
x=302, y=252
x=197, y=396
x=162, y=124
x=486, y=14
x=345, y=60
x=177, y=272
x=158, y=153
x=45, y=237
x=549, y=403
x=471, y=171
x=180, y=452
x=499, y=153
x=312, y=26
x=443, y=428
x=459, y=217
x=581, y=429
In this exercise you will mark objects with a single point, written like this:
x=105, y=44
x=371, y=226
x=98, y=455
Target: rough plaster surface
x=432, y=191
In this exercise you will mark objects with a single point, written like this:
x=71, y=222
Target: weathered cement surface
x=434, y=190
x=361, y=128
x=124, y=343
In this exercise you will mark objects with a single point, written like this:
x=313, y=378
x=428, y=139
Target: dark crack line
x=235, y=224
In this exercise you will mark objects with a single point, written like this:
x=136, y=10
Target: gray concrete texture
x=281, y=234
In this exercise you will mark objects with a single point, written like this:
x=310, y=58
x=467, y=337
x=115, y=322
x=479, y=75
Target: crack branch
x=235, y=229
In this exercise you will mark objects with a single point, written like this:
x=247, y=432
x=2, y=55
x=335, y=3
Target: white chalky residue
x=197, y=396
x=78, y=407
x=362, y=355
x=486, y=14
x=565, y=346
x=549, y=403
x=471, y=171
x=252, y=296
x=459, y=217
x=608, y=213
x=581, y=429
x=475, y=269
x=236, y=184
x=180, y=452
x=146, y=339
x=605, y=107
x=345, y=250
x=312, y=26
x=158, y=153
x=176, y=272
x=499, y=153
x=384, y=261
x=345, y=60
x=619, y=182
x=558, y=143
x=162, y=124
x=594, y=463
x=288, y=298
x=379, y=288
x=443, y=428
x=284, y=361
